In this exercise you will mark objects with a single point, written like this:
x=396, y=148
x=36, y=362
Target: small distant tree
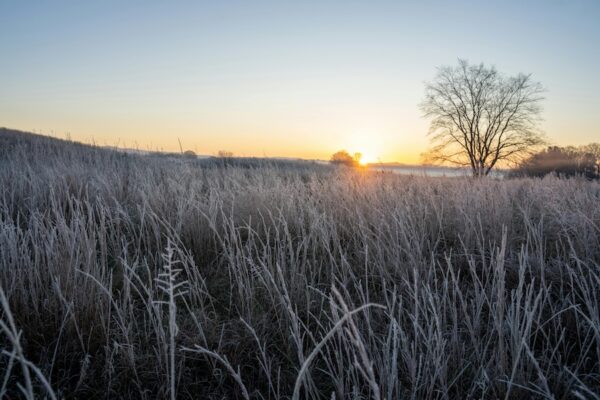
x=225, y=154
x=189, y=154
x=480, y=117
x=342, y=157
x=594, y=149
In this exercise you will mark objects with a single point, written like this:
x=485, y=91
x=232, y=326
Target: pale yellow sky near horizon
x=307, y=121
x=380, y=134
x=313, y=139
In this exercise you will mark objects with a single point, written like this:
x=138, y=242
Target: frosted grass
x=142, y=276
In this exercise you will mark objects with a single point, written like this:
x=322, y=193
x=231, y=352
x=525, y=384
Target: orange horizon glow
x=404, y=149
x=374, y=147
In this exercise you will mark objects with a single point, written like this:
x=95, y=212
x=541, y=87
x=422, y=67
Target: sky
x=282, y=79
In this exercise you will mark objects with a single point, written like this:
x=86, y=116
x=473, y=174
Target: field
x=163, y=276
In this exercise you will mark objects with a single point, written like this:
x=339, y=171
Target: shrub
x=342, y=157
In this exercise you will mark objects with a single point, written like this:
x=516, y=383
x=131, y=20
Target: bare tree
x=594, y=149
x=480, y=118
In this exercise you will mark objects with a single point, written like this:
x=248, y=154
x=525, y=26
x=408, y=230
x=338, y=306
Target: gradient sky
x=300, y=79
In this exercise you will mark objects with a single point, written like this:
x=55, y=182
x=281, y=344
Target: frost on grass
x=147, y=276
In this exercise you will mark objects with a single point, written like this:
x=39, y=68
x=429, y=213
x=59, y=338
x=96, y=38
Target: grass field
x=162, y=277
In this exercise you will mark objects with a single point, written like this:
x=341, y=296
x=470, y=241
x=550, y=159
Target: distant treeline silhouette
x=563, y=161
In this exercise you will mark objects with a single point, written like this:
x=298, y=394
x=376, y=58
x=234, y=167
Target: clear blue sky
x=280, y=78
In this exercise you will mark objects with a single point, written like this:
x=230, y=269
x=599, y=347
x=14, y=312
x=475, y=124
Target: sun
x=365, y=148
x=366, y=159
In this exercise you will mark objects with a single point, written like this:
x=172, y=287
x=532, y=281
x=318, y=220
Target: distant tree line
x=563, y=161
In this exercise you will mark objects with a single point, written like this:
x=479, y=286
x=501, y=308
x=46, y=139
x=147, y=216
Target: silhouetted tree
x=594, y=148
x=189, y=154
x=480, y=117
x=342, y=157
x=225, y=154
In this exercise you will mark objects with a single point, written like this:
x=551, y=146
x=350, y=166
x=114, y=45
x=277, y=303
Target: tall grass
x=142, y=276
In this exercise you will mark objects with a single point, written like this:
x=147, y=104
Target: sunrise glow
x=367, y=159
x=299, y=80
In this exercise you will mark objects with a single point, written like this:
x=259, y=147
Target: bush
x=342, y=157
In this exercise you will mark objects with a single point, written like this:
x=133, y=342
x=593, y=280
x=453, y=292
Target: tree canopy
x=342, y=157
x=480, y=117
